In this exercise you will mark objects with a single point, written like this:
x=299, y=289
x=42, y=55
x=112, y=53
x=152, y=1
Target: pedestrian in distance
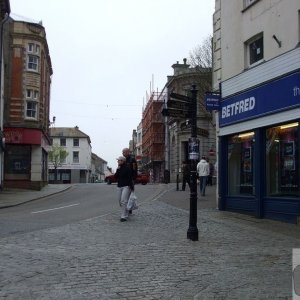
x=125, y=186
x=203, y=172
x=211, y=173
x=131, y=163
x=185, y=174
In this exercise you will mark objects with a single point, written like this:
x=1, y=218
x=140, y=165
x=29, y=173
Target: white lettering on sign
x=296, y=91
x=238, y=107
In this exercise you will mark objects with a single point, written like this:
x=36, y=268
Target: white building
x=257, y=72
x=77, y=166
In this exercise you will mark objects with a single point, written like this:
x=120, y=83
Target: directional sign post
x=186, y=107
x=192, y=232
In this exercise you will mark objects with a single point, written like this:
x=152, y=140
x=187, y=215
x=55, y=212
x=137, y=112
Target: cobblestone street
x=149, y=257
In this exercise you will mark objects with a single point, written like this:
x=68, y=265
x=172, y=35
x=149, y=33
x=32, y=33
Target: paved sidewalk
x=13, y=197
x=149, y=257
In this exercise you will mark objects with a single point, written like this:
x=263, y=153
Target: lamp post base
x=192, y=234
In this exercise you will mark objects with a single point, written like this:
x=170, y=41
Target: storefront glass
x=240, y=164
x=17, y=162
x=282, y=160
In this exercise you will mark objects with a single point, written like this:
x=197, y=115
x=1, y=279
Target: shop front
x=26, y=158
x=259, y=150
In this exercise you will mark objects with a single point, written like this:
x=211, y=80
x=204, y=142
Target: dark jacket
x=124, y=176
x=131, y=163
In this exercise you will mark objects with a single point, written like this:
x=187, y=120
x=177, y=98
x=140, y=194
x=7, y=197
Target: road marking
x=56, y=208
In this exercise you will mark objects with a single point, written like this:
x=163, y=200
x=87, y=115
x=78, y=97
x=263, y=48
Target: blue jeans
x=203, y=180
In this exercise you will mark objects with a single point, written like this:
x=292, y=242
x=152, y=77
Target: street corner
x=296, y=274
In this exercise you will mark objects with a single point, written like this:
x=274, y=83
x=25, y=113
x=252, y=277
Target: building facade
x=179, y=128
x=257, y=71
x=98, y=166
x=26, y=106
x=4, y=17
x=77, y=167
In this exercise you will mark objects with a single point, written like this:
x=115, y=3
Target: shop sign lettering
x=238, y=107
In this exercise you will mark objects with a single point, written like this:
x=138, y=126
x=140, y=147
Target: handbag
x=132, y=203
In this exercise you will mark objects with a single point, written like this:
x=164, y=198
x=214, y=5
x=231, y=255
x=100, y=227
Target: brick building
x=26, y=107
x=153, y=138
x=4, y=16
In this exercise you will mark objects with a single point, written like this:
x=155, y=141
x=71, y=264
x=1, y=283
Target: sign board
x=175, y=113
x=194, y=149
x=212, y=101
x=269, y=98
x=180, y=97
x=181, y=105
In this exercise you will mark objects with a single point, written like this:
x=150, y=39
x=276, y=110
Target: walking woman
x=125, y=186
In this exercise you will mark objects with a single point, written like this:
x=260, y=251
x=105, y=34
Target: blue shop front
x=259, y=146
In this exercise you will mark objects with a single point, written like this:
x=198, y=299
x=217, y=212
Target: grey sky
x=104, y=54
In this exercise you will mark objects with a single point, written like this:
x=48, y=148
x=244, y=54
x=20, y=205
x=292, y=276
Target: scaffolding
x=153, y=140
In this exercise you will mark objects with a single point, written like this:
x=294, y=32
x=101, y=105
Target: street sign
x=175, y=113
x=180, y=97
x=212, y=101
x=181, y=105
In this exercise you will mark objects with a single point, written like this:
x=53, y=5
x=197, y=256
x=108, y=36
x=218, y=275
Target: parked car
x=141, y=178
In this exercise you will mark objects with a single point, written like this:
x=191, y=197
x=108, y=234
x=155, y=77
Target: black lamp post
x=192, y=232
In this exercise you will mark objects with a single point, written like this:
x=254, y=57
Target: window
x=75, y=142
x=33, y=48
x=240, y=164
x=31, y=109
x=18, y=162
x=255, y=50
x=282, y=160
x=63, y=142
x=32, y=94
x=33, y=63
x=31, y=105
x=75, y=157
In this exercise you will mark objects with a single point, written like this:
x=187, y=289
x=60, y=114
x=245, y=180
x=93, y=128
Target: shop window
x=17, y=162
x=240, y=164
x=282, y=160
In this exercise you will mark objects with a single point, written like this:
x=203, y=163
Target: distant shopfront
x=259, y=149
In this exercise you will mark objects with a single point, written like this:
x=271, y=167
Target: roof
x=68, y=132
x=20, y=18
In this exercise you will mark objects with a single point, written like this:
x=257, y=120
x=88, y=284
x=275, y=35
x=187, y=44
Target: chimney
x=180, y=68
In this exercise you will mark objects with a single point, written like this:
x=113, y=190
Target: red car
x=141, y=178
